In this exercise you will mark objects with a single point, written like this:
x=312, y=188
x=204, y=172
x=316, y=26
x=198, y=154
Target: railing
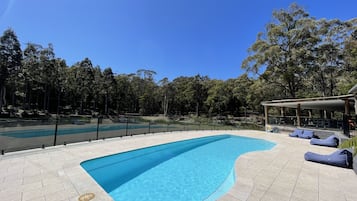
x=347, y=125
x=19, y=134
x=307, y=122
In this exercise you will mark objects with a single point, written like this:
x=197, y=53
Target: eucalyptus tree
x=328, y=63
x=30, y=74
x=98, y=89
x=60, y=75
x=284, y=50
x=348, y=77
x=147, y=92
x=10, y=64
x=350, y=50
x=239, y=90
x=166, y=92
x=190, y=94
x=184, y=95
x=47, y=74
x=109, y=84
x=218, y=97
x=80, y=84
x=261, y=90
x=198, y=86
x=124, y=94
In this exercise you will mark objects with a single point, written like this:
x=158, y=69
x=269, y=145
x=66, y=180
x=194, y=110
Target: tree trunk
x=81, y=106
x=48, y=100
x=117, y=107
x=106, y=103
x=2, y=97
x=166, y=105
x=44, y=98
x=197, y=109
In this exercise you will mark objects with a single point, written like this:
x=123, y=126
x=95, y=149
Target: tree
x=60, y=75
x=184, y=95
x=218, y=97
x=328, y=62
x=147, y=92
x=10, y=62
x=108, y=86
x=30, y=73
x=98, y=89
x=239, y=89
x=261, y=91
x=47, y=74
x=80, y=84
x=199, y=92
x=124, y=94
x=284, y=50
x=350, y=50
x=165, y=91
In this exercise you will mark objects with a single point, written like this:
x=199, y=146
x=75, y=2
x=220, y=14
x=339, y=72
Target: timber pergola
x=346, y=104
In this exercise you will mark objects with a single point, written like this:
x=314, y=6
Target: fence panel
x=21, y=134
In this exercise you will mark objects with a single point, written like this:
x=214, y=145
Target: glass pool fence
x=20, y=134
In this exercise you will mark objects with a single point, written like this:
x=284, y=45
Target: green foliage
x=296, y=56
x=302, y=56
x=350, y=143
x=10, y=63
x=283, y=49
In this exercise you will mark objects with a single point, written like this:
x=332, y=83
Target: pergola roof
x=331, y=103
x=353, y=90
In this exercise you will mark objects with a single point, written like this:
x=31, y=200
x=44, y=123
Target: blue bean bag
x=339, y=158
x=307, y=134
x=296, y=133
x=331, y=141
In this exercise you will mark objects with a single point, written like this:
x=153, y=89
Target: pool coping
x=278, y=174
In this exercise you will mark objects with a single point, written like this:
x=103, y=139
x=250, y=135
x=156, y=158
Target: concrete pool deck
x=55, y=174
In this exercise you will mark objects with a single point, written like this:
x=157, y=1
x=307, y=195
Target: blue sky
x=172, y=37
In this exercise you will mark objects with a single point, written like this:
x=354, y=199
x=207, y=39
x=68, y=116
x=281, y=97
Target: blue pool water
x=197, y=169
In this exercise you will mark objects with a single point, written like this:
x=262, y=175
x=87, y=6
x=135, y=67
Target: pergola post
x=266, y=108
x=298, y=122
x=355, y=104
x=282, y=113
x=346, y=129
x=347, y=107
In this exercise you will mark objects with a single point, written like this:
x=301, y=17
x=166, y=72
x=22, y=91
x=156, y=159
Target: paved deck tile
x=55, y=174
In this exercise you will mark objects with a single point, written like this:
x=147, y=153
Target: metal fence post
x=98, y=127
x=127, y=124
x=56, y=128
x=149, y=126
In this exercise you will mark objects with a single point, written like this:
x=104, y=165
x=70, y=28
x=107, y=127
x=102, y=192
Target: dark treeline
x=297, y=56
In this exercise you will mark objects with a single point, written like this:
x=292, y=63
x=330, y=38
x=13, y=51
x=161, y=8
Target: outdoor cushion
x=331, y=141
x=307, y=134
x=296, y=133
x=340, y=158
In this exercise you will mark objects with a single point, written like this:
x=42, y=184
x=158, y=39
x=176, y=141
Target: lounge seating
x=306, y=134
x=331, y=141
x=339, y=158
x=296, y=133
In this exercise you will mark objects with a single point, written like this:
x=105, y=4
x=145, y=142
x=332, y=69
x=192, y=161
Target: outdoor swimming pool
x=197, y=169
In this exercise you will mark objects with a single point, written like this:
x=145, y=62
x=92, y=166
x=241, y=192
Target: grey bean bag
x=339, y=158
x=331, y=141
x=307, y=134
x=296, y=133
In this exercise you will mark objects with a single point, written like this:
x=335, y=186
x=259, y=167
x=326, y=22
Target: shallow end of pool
x=224, y=187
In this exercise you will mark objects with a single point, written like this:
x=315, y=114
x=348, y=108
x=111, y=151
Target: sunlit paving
x=138, y=100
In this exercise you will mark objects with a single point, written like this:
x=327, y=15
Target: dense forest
x=296, y=56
